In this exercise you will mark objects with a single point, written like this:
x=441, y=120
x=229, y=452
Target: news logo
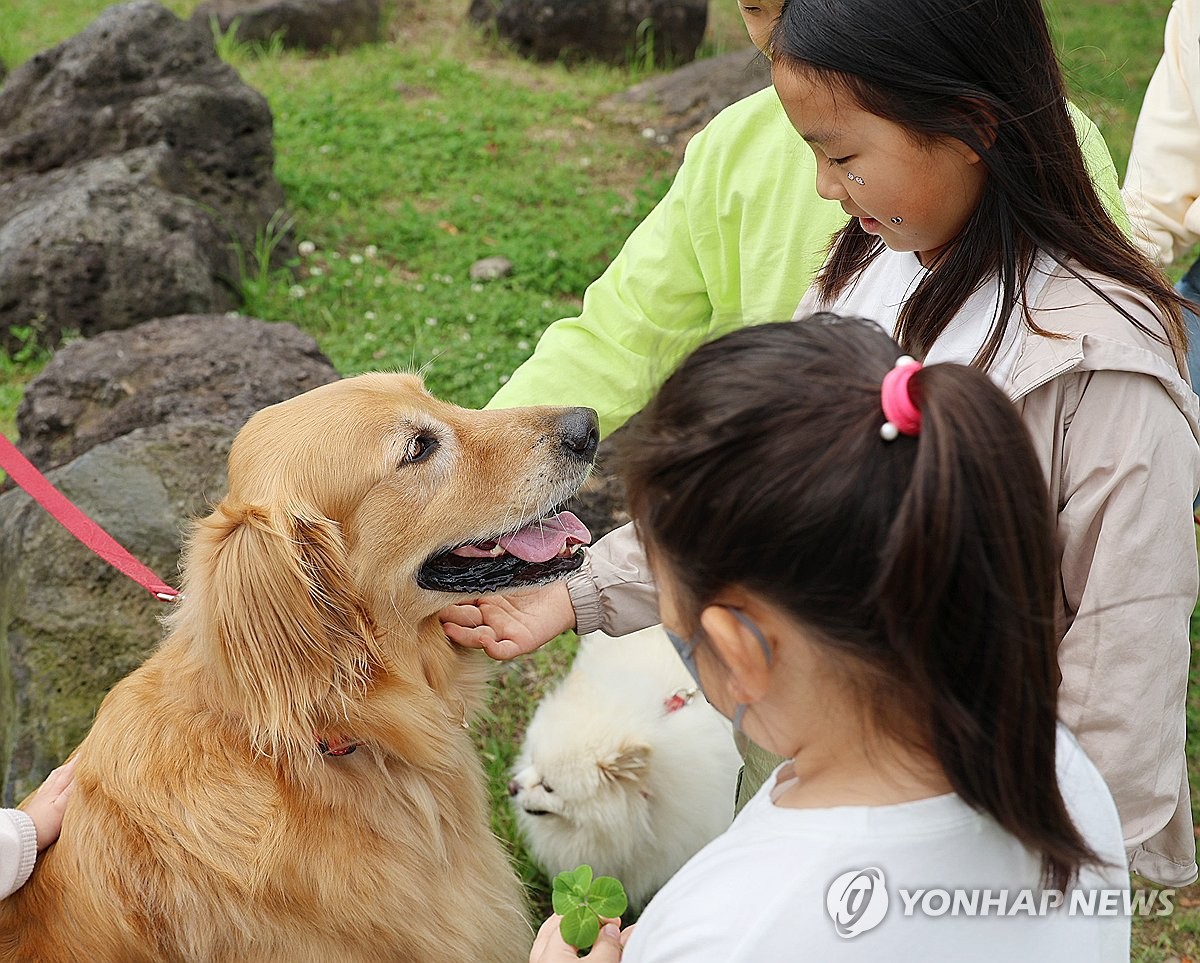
x=857, y=901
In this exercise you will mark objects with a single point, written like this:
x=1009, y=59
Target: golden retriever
x=289, y=777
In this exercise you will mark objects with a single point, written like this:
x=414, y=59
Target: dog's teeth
x=497, y=550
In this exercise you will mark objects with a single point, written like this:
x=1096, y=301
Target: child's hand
x=48, y=803
x=506, y=626
x=550, y=947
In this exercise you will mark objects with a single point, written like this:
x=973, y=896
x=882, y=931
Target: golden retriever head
x=354, y=513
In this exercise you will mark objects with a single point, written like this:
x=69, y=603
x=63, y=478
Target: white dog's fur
x=623, y=784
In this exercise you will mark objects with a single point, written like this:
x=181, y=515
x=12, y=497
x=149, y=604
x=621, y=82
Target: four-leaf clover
x=584, y=901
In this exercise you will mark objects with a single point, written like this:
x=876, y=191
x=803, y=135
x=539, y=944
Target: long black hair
x=982, y=72
x=925, y=564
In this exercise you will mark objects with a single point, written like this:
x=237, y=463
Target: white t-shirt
x=758, y=893
x=881, y=290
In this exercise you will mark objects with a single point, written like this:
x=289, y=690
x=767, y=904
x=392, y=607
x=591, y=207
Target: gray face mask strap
x=755, y=631
x=740, y=711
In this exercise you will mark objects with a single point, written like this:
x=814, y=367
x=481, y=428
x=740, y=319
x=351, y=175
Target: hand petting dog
x=507, y=626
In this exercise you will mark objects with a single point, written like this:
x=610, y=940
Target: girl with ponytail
x=855, y=558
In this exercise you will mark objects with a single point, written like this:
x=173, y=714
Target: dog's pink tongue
x=546, y=538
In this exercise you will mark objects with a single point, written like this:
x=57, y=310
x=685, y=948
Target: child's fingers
x=608, y=947
x=545, y=935
x=470, y=638
x=467, y=615
x=60, y=801
x=58, y=780
x=502, y=649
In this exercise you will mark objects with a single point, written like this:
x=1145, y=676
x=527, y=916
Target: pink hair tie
x=903, y=415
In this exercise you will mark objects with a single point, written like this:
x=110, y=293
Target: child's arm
x=18, y=850
x=1162, y=184
x=1129, y=576
x=613, y=592
x=24, y=834
x=649, y=308
x=735, y=241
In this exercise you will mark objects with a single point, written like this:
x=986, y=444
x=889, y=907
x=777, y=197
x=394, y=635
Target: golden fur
x=205, y=824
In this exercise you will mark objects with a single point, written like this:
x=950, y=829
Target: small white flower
x=649, y=133
x=378, y=282
x=419, y=287
x=325, y=149
x=522, y=345
x=370, y=315
x=503, y=379
x=370, y=250
x=477, y=287
x=316, y=271
x=432, y=322
x=335, y=195
x=466, y=336
x=356, y=259
x=370, y=336
x=297, y=291
x=306, y=248
x=552, y=255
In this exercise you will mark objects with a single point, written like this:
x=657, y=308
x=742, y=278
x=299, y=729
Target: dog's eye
x=546, y=786
x=419, y=448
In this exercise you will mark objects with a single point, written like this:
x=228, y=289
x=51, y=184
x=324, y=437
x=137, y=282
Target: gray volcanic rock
x=307, y=24
x=615, y=31
x=71, y=625
x=219, y=369
x=134, y=165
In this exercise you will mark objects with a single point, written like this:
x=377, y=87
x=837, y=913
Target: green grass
x=405, y=162
x=401, y=182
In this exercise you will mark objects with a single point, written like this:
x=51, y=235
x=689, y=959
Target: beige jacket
x=1116, y=429
x=1162, y=183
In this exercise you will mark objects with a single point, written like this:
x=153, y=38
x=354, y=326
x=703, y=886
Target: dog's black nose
x=580, y=432
x=514, y=787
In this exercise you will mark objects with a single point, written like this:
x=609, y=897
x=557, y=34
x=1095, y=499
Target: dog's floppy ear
x=628, y=763
x=276, y=605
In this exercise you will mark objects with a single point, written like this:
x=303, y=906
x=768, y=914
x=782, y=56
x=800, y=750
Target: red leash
x=77, y=523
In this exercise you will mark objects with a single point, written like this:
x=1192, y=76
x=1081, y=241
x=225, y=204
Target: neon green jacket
x=736, y=240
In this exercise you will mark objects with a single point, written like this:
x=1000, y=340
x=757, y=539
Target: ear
x=739, y=650
x=628, y=763
x=289, y=633
x=983, y=119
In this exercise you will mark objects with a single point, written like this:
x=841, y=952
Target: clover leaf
x=583, y=901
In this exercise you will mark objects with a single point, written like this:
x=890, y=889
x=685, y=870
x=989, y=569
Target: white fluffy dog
x=624, y=767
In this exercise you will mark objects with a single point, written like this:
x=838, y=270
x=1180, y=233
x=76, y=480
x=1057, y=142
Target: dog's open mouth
x=538, y=552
